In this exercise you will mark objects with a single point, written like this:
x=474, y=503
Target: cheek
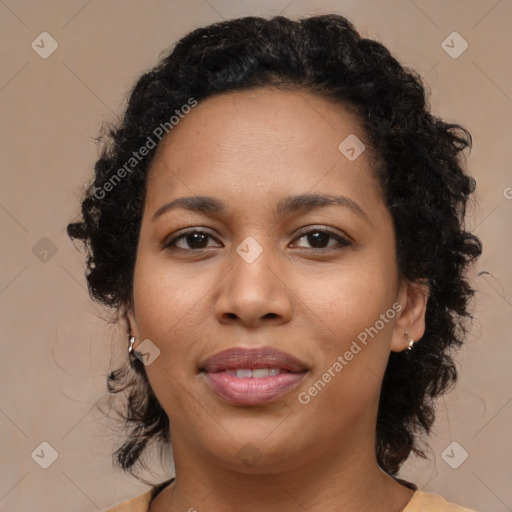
x=352, y=297
x=351, y=358
x=171, y=311
x=164, y=297
x=353, y=309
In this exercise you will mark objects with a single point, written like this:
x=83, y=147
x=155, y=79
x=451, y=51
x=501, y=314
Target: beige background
x=57, y=349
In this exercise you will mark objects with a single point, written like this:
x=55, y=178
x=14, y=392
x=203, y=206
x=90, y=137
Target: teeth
x=260, y=372
x=257, y=373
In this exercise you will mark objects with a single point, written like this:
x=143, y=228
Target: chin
x=259, y=454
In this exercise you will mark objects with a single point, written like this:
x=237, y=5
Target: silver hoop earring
x=131, y=340
x=410, y=340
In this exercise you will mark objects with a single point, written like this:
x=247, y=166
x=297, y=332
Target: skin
x=251, y=149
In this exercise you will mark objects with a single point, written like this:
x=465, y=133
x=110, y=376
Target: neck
x=327, y=483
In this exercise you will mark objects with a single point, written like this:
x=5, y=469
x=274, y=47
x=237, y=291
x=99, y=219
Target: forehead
x=262, y=141
x=273, y=120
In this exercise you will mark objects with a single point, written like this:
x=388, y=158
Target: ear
x=411, y=318
x=130, y=320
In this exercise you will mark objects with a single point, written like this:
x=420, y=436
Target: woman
x=279, y=220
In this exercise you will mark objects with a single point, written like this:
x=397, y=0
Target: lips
x=252, y=376
x=240, y=358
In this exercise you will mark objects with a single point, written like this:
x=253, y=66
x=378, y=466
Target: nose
x=255, y=293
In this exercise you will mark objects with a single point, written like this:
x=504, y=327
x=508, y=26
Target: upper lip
x=252, y=358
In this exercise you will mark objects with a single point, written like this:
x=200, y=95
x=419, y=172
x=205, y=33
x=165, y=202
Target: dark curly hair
x=425, y=187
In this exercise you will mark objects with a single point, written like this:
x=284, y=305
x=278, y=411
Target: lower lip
x=250, y=390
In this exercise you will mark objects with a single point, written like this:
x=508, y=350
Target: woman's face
x=274, y=267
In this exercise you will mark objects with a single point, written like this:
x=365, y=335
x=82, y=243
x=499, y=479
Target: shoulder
x=138, y=504
x=418, y=503
x=141, y=503
x=424, y=501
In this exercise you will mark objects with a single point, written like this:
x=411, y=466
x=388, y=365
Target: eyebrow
x=287, y=206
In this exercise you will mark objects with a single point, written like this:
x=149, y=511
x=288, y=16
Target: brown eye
x=190, y=240
x=319, y=239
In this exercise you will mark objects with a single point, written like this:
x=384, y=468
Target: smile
x=252, y=376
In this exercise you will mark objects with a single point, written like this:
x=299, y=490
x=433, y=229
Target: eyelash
x=343, y=242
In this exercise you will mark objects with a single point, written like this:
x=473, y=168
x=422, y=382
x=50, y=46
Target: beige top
x=420, y=502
